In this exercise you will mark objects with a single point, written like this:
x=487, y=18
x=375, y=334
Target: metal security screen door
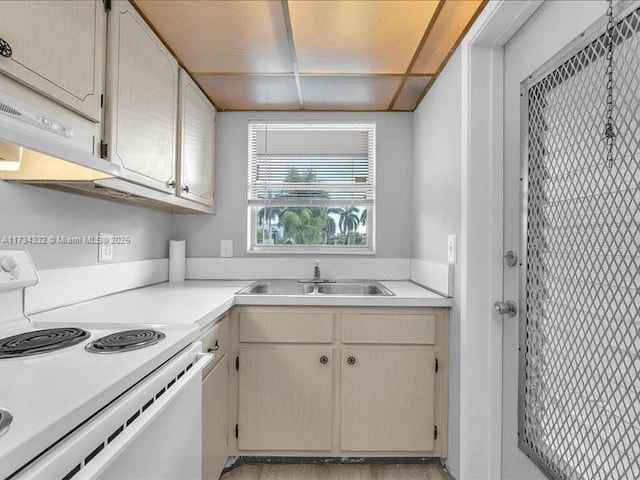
x=579, y=378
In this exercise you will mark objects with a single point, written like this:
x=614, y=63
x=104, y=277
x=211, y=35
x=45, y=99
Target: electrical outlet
x=226, y=248
x=105, y=247
x=451, y=249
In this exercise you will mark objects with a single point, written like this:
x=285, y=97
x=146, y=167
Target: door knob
x=506, y=308
x=324, y=359
x=351, y=360
x=511, y=258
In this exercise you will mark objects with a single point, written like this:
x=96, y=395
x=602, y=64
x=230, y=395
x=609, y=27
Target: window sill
x=306, y=250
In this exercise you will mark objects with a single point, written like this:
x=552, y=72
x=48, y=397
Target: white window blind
x=307, y=164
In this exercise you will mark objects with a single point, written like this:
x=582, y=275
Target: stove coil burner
x=40, y=341
x=125, y=341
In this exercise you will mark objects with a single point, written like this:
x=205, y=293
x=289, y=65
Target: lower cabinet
x=387, y=400
x=215, y=411
x=285, y=399
x=215, y=401
x=321, y=381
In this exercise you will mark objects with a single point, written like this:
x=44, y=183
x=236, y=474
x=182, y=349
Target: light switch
x=226, y=248
x=451, y=249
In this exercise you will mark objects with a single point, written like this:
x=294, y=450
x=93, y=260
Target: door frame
x=481, y=261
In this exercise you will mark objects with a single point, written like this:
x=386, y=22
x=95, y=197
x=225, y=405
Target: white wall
x=437, y=205
x=393, y=176
x=27, y=210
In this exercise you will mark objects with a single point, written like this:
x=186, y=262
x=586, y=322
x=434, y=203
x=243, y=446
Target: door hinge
x=435, y=432
x=104, y=149
x=237, y=363
x=107, y=5
x=237, y=430
x=437, y=365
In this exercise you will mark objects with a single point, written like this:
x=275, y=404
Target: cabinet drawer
x=389, y=328
x=216, y=340
x=286, y=327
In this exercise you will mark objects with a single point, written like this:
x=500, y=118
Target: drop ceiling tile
x=411, y=92
x=349, y=92
x=251, y=92
x=223, y=36
x=358, y=37
x=451, y=22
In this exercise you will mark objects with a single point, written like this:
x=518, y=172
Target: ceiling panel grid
x=340, y=55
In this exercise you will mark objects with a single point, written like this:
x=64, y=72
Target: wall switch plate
x=451, y=249
x=226, y=248
x=105, y=247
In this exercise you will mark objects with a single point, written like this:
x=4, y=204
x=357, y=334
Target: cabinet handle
x=351, y=360
x=185, y=189
x=5, y=49
x=215, y=348
x=324, y=359
x=171, y=184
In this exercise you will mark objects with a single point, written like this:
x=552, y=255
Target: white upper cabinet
x=57, y=48
x=196, y=148
x=142, y=101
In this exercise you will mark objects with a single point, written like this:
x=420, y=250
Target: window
x=311, y=187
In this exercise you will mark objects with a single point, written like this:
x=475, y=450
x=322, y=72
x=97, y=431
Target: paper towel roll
x=177, y=260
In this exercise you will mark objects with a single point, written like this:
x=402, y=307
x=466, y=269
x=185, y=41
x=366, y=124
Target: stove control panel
x=16, y=270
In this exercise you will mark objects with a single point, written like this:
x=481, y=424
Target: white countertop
x=202, y=301
x=181, y=302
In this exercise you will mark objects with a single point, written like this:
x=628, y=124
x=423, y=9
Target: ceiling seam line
x=292, y=50
x=453, y=49
x=417, y=53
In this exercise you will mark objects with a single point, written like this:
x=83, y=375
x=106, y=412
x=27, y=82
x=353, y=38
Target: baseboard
x=235, y=462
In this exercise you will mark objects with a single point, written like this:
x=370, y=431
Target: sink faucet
x=316, y=271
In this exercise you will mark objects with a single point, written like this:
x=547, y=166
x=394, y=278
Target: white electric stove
x=77, y=398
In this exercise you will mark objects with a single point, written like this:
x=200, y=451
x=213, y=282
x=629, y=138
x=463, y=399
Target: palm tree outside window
x=311, y=187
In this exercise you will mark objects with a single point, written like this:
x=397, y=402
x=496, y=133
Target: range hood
x=47, y=145
x=39, y=146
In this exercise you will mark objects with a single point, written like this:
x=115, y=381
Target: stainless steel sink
x=356, y=288
x=352, y=288
x=288, y=287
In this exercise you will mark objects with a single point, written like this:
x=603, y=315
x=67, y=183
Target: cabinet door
x=196, y=152
x=285, y=399
x=215, y=394
x=142, y=101
x=58, y=49
x=388, y=400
